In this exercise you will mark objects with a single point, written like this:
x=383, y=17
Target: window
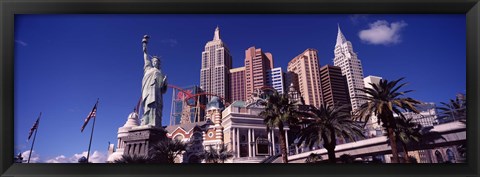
x=450, y=155
x=439, y=156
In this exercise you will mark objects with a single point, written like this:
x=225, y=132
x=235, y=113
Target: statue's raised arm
x=145, y=55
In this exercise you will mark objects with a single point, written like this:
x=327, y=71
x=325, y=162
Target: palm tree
x=454, y=109
x=209, y=155
x=407, y=132
x=384, y=100
x=410, y=133
x=213, y=155
x=224, y=155
x=166, y=151
x=279, y=111
x=126, y=158
x=326, y=124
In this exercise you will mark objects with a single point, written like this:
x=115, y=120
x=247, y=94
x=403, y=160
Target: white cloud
x=35, y=158
x=75, y=157
x=382, y=32
x=95, y=157
x=23, y=44
x=98, y=157
x=59, y=159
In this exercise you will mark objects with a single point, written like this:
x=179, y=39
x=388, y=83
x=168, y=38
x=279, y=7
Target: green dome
x=215, y=103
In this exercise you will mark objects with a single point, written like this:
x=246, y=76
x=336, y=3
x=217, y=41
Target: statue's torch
x=145, y=41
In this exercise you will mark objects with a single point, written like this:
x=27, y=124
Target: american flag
x=90, y=115
x=34, y=127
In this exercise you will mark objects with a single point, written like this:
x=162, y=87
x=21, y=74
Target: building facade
x=306, y=67
x=216, y=64
x=238, y=127
x=427, y=115
x=122, y=134
x=351, y=66
x=245, y=133
x=276, y=79
x=334, y=86
x=237, y=84
x=371, y=80
x=191, y=133
x=257, y=64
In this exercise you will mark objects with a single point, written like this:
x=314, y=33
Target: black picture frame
x=9, y=8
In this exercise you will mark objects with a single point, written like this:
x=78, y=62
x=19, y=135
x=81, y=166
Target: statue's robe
x=153, y=87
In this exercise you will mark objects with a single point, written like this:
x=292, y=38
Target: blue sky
x=63, y=63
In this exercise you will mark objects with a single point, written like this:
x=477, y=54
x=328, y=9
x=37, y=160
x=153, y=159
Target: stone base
x=141, y=138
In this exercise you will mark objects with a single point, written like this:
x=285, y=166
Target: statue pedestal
x=141, y=138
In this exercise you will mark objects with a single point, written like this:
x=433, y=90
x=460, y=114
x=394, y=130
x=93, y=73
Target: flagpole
x=34, y=136
x=91, y=134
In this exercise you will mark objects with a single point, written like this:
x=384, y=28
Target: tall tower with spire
x=351, y=67
x=216, y=64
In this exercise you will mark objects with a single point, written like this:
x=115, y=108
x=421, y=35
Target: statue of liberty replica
x=137, y=137
x=154, y=85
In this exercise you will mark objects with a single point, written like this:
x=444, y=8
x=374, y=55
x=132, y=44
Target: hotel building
x=347, y=60
x=276, y=79
x=245, y=133
x=216, y=64
x=239, y=127
x=237, y=84
x=334, y=86
x=306, y=67
x=257, y=63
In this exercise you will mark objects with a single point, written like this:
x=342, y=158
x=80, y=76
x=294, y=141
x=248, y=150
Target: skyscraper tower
x=347, y=60
x=216, y=64
x=276, y=79
x=306, y=68
x=334, y=86
x=257, y=64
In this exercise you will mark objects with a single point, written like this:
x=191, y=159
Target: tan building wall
x=257, y=64
x=306, y=67
x=237, y=85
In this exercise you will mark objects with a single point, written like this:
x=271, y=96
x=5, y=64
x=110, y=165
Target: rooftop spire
x=216, y=35
x=340, y=38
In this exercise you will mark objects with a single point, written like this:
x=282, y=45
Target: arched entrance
x=439, y=157
x=450, y=155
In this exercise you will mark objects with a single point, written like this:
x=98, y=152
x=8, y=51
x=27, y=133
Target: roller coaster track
x=190, y=96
